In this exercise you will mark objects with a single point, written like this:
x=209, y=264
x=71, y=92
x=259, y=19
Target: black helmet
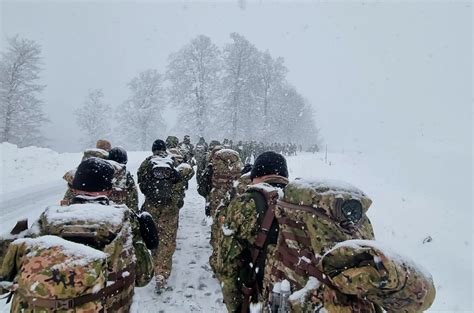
x=158, y=145
x=118, y=154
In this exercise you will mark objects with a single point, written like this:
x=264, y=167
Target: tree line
x=236, y=92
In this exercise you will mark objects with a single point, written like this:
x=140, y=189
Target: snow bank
x=22, y=168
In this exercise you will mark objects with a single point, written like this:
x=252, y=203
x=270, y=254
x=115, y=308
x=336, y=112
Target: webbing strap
x=259, y=243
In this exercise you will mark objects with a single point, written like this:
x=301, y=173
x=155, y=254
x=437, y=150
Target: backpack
x=314, y=217
x=96, y=153
x=159, y=179
x=85, y=262
x=225, y=171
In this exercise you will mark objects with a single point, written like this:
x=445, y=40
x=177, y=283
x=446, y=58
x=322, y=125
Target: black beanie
x=158, y=145
x=93, y=175
x=269, y=163
x=118, y=155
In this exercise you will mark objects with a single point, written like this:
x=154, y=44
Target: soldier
x=172, y=142
x=80, y=257
x=187, y=150
x=159, y=180
x=200, y=153
x=238, y=229
x=101, y=151
x=124, y=188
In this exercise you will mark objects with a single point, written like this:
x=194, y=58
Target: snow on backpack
x=159, y=179
x=314, y=217
x=57, y=275
x=96, y=153
x=225, y=170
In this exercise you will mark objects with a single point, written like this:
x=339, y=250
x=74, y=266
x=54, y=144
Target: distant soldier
x=187, y=150
x=84, y=257
x=172, y=142
x=200, y=153
x=161, y=181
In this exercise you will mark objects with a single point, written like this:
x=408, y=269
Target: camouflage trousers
x=166, y=218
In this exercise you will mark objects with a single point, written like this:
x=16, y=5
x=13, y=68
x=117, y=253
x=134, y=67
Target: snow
x=227, y=231
x=416, y=194
x=76, y=250
x=311, y=284
x=90, y=212
x=329, y=186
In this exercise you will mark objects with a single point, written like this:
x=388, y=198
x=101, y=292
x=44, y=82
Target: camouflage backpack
x=96, y=153
x=159, y=178
x=87, y=246
x=314, y=217
x=226, y=168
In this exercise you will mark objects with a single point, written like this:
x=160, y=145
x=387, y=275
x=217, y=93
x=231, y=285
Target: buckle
x=64, y=304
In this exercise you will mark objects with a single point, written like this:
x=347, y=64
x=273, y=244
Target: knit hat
x=158, y=145
x=118, y=155
x=269, y=163
x=93, y=175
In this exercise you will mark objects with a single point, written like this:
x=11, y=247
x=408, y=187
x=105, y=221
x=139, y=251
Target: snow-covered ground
x=427, y=192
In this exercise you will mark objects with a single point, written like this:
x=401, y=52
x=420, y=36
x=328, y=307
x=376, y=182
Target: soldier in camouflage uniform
x=101, y=151
x=325, y=269
x=200, y=153
x=238, y=228
x=92, y=271
x=187, y=150
x=163, y=207
x=172, y=142
x=124, y=189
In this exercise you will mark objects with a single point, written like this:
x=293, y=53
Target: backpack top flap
x=56, y=268
x=89, y=223
x=226, y=165
x=324, y=193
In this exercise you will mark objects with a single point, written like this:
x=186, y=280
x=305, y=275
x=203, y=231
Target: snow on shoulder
x=87, y=212
x=329, y=186
x=68, y=248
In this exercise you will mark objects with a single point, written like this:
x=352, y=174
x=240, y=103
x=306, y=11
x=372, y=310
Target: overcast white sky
x=378, y=74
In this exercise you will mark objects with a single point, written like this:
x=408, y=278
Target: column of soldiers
x=278, y=246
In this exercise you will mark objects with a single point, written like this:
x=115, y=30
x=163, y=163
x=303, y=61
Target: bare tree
x=241, y=59
x=140, y=118
x=21, y=109
x=94, y=118
x=194, y=75
x=271, y=73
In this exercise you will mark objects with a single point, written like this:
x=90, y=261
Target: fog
x=379, y=75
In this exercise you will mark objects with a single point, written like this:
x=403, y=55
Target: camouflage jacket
x=238, y=229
